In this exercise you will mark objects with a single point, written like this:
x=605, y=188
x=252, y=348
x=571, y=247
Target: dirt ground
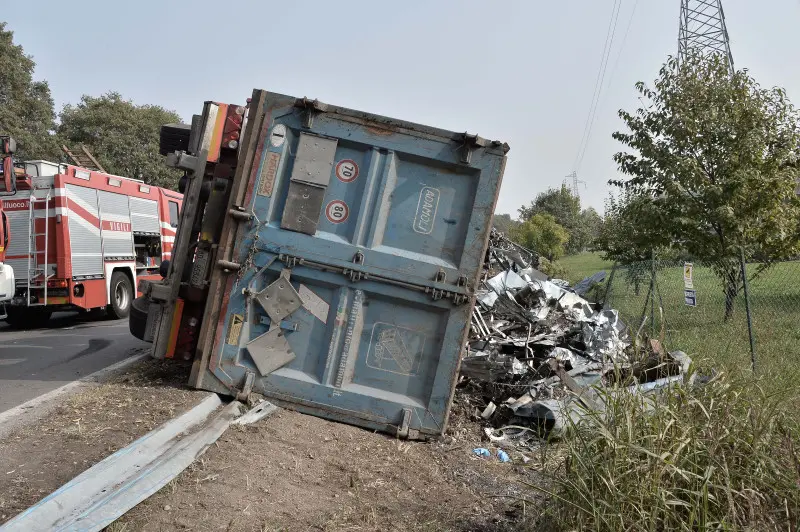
x=297, y=472
x=38, y=458
x=287, y=472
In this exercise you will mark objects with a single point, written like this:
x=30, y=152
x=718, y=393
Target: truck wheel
x=28, y=318
x=15, y=318
x=121, y=295
x=137, y=321
x=174, y=137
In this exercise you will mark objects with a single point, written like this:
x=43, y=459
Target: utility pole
x=575, y=182
x=702, y=29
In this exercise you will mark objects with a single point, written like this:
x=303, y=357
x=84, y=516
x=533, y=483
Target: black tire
x=121, y=296
x=28, y=318
x=174, y=137
x=137, y=320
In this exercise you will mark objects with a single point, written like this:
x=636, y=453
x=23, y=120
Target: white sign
x=278, y=135
x=688, y=271
x=346, y=170
x=337, y=211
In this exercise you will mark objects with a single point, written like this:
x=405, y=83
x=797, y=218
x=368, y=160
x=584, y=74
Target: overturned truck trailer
x=326, y=258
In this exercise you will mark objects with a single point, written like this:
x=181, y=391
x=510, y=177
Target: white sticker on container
x=278, y=135
x=314, y=304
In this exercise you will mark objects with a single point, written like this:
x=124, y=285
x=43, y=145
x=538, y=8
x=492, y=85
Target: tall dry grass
x=717, y=456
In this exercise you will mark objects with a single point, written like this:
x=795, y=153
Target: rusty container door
x=359, y=264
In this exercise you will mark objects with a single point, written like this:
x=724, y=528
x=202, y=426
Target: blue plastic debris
x=503, y=456
x=480, y=451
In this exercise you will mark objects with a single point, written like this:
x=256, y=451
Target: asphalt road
x=37, y=361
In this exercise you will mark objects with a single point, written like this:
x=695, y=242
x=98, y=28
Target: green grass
x=702, y=331
x=583, y=265
x=722, y=456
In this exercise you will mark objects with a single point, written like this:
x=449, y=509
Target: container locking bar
x=356, y=274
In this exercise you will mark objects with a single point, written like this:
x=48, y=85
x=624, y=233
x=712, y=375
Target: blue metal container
x=360, y=262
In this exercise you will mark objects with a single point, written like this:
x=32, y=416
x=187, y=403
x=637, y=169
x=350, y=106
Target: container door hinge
x=310, y=110
x=404, y=431
x=247, y=387
x=470, y=144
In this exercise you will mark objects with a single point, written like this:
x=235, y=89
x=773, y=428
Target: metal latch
x=311, y=108
x=356, y=275
x=471, y=143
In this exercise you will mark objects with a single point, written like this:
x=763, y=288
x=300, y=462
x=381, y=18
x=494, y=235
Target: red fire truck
x=83, y=239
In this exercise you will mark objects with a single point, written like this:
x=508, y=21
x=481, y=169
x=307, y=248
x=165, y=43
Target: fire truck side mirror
x=8, y=181
x=8, y=145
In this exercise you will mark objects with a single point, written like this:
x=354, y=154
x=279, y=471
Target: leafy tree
x=589, y=227
x=542, y=234
x=504, y=223
x=565, y=207
x=713, y=167
x=26, y=107
x=121, y=135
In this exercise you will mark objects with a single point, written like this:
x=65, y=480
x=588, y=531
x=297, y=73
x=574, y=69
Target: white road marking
x=26, y=346
x=12, y=361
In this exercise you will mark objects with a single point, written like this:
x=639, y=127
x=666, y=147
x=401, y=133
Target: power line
x=601, y=74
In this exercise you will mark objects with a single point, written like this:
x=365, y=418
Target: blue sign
x=690, y=297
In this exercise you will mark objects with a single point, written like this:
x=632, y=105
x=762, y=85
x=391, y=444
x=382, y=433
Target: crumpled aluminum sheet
x=506, y=281
x=578, y=308
x=489, y=367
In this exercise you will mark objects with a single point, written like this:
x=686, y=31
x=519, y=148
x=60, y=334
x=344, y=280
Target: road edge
x=38, y=407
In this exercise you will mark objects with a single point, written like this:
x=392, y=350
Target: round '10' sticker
x=347, y=170
x=337, y=211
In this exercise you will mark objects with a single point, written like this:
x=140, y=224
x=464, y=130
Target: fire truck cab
x=83, y=239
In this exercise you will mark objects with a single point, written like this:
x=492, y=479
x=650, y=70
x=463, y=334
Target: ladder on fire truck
x=36, y=271
x=85, y=159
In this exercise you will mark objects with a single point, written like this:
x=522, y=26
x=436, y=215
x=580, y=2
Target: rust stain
x=379, y=131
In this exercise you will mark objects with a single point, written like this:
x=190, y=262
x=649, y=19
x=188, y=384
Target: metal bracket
x=311, y=108
x=240, y=215
x=355, y=275
x=228, y=266
x=181, y=160
x=247, y=388
x=402, y=430
x=471, y=143
x=280, y=299
x=289, y=260
x=441, y=276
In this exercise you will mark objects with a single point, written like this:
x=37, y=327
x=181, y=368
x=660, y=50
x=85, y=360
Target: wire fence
x=702, y=308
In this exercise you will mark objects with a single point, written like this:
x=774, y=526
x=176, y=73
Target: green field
x=583, y=265
x=702, y=331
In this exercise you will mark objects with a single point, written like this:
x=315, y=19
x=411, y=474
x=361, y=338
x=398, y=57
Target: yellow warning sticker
x=235, y=329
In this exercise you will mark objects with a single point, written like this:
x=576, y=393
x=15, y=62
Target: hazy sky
x=521, y=72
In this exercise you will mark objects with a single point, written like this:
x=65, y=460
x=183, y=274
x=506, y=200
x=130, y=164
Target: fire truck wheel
x=121, y=295
x=28, y=318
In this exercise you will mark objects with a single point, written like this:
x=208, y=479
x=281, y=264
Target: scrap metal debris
x=538, y=352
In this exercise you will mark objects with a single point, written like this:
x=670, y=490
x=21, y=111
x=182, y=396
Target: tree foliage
x=712, y=166
x=504, y=223
x=565, y=207
x=543, y=234
x=121, y=135
x=26, y=106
